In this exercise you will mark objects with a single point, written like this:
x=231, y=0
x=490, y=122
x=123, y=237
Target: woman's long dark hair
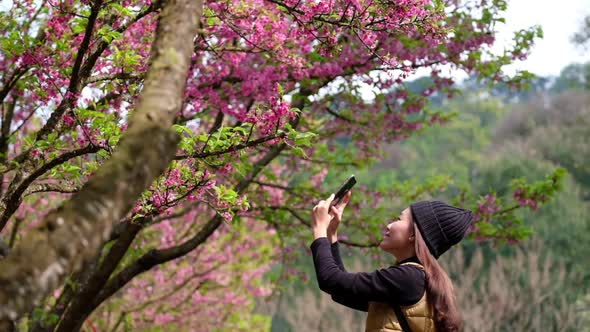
x=439, y=288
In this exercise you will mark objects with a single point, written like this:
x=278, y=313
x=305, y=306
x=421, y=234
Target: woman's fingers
x=326, y=206
x=346, y=198
x=336, y=212
x=329, y=200
x=326, y=202
x=323, y=204
x=342, y=203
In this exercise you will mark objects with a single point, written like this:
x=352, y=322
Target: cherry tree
x=139, y=135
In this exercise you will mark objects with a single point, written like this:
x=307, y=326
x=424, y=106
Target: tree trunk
x=74, y=232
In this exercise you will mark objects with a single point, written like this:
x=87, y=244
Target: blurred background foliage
x=495, y=135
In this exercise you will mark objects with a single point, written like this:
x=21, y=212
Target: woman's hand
x=321, y=217
x=336, y=211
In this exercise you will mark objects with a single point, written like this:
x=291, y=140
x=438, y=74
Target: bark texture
x=74, y=232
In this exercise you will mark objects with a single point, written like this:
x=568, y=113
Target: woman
x=416, y=287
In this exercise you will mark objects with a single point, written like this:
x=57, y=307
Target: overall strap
x=398, y=311
x=401, y=318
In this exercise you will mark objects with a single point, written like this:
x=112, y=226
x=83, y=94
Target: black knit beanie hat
x=441, y=225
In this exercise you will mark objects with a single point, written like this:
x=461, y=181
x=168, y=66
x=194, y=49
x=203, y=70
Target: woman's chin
x=387, y=244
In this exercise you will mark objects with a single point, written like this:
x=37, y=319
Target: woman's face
x=399, y=234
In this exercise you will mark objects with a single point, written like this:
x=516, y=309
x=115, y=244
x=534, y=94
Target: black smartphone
x=348, y=184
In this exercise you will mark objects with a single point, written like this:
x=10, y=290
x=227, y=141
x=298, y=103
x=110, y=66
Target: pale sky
x=559, y=19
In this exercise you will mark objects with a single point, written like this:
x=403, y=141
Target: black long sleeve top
x=403, y=285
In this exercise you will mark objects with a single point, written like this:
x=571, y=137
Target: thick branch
x=79, y=307
x=63, y=188
x=155, y=257
x=73, y=233
x=6, y=121
x=12, y=200
x=75, y=79
x=65, y=297
x=5, y=131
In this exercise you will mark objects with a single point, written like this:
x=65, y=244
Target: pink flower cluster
x=273, y=119
x=525, y=198
x=487, y=206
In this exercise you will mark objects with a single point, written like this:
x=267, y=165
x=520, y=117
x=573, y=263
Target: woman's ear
x=412, y=238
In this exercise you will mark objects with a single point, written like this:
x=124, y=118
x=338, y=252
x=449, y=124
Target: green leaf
x=182, y=129
x=213, y=20
x=78, y=29
x=299, y=152
x=280, y=88
x=304, y=139
x=241, y=130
